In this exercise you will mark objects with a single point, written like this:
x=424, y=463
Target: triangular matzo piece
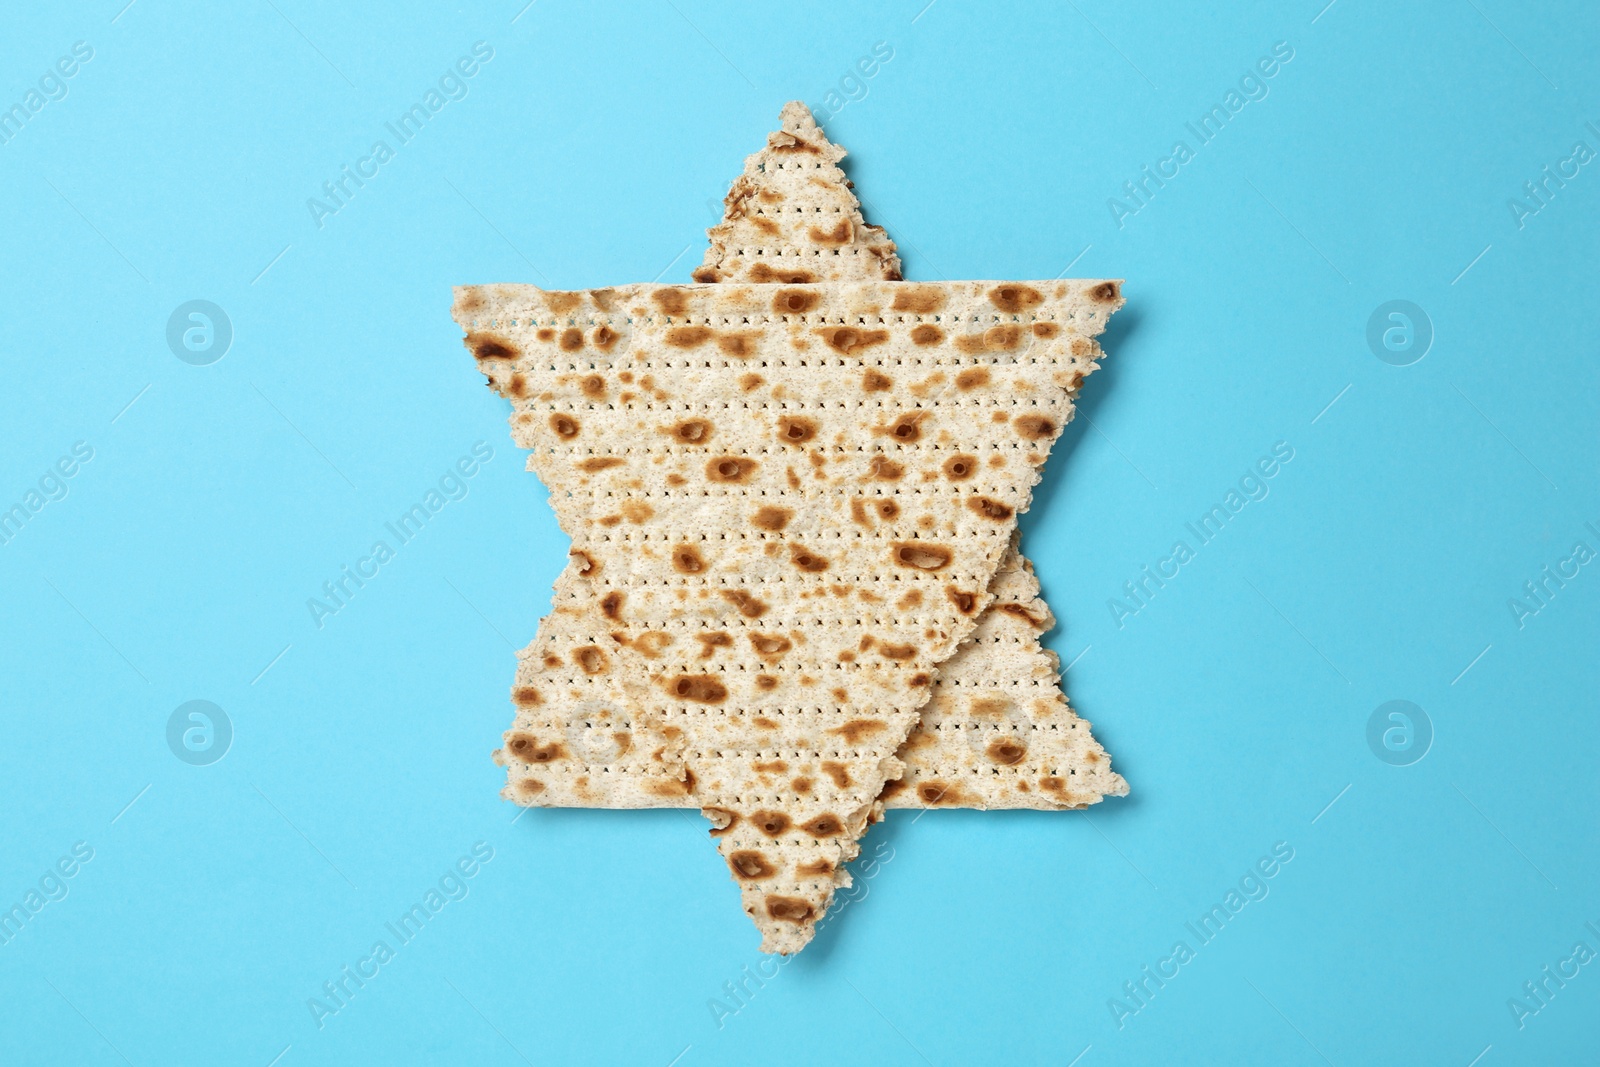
x=790, y=501
x=791, y=216
x=998, y=732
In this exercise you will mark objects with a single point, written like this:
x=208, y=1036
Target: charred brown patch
x=734, y=469
x=972, y=378
x=722, y=820
x=1012, y=297
x=876, y=382
x=801, y=785
x=747, y=382
x=907, y=429
x=771, y=823
x=960, y=468
x=926, y=335
x=1034, y=427
x=770, y=646
x=530, y=787
x=593, y=386
x=527, y=748
x=1019, y=612
x=571, y=339
x=848, y=340
x=884, y=469
x=599, y=463
x=965, y=602
x=686, y=559
x=709, y=643
x=842, y=234
x=788, y=909
x=771, y=518
x=1006, y=751
x=1002, y=338
x=692, y=431
x=688, y=336
x=937, y=793
x=561, y=303
x=545, y=334
x=517, y=387
x=765, y=272
x=673, y=301
x=748, y=865
x=837, y=771
x=586, y=563
x=824, y=826
x=765, y=225
x=611, y=605
x=990, y=508
x=795, y=430
x=814, y=869
x=920, y=299
x=698, y=688
x=604, y=338
x=897, y=652
x=1045, y=330
x=487, y=346
x=807, y=560
x=795, y=301
x=565, y=426
x=854, y=730
x=922, y=556
x=748, y=606
x=888, y=509
x=1105, y=293
x=738, y=345
x=525, y=696
x=590, y=659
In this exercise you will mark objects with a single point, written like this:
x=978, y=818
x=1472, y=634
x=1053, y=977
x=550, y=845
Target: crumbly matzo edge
x=728, y=525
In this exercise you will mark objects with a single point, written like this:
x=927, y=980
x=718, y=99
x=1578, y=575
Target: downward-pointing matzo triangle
x=787, y=504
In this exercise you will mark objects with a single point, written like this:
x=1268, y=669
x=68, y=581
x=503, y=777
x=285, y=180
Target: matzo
x=791, y=501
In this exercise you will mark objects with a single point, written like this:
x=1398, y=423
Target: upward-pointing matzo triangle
x=788, y=503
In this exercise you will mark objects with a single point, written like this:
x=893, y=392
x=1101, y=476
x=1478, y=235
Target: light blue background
x=1380, y=566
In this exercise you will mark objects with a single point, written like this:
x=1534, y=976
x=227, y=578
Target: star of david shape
x=795, y=595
